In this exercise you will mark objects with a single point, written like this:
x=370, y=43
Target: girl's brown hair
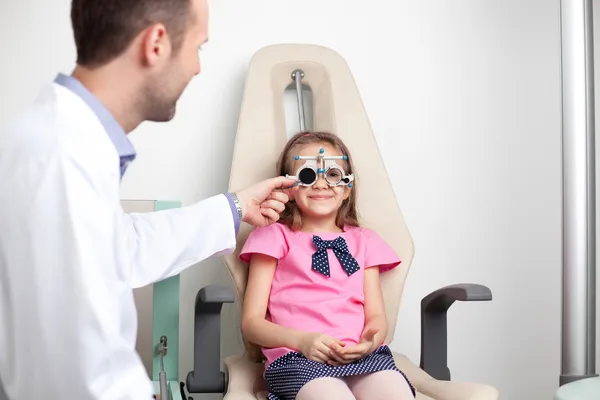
x=347, y=214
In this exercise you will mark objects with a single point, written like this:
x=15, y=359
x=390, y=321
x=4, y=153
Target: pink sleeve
x=268, y=240
x=379, y=253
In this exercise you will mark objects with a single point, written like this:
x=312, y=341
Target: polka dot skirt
x=286, y=375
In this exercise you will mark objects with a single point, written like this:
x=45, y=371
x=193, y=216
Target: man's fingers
x=285, y=185
x=281, y=182
x=270, y=214
x=275, y=205
x=281, y=197
x=291, y=191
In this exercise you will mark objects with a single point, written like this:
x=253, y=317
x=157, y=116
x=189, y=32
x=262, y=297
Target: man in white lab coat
x=69, y=255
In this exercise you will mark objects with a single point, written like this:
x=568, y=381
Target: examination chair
x=336, y=107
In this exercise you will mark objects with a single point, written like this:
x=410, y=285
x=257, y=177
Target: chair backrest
x=337, y=108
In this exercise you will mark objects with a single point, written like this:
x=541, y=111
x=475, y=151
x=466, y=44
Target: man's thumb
x=285, y=185
x=282, y=182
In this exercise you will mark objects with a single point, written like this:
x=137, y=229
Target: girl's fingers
x=359, y=349
x=320, y=356
x=323, y=348
x=336, y=357
x=337, y=353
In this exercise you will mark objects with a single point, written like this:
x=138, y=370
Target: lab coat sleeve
x=164, y=243
x=64, y=332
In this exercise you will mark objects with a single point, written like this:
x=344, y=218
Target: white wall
x=464, y=99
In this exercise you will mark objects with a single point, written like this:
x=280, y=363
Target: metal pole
x=297, y=76
x=162, y=375
x=164, y=391
x=578, y=184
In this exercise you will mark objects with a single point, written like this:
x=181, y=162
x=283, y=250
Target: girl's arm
x=374, y=306
x=255, y=328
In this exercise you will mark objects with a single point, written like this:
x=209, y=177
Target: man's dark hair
x=103, y=29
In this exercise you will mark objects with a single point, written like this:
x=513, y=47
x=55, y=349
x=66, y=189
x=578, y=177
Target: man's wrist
x=238, y=205
x=236, y=210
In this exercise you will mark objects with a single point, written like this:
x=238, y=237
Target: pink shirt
x=306, y=300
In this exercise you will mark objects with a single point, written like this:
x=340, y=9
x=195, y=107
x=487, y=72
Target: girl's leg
x=382, y=385
x=325, y=388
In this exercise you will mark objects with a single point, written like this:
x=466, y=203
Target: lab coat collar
x=115, y=132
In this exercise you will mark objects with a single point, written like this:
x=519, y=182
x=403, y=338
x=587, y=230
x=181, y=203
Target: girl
x=313, y=299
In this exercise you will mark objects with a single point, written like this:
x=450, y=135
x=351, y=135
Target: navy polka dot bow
x=320, y=260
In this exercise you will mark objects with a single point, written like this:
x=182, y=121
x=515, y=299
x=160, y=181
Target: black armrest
x=207, y=376
x=434, y=330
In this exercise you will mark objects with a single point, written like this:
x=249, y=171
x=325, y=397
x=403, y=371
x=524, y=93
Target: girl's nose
x=320, y=183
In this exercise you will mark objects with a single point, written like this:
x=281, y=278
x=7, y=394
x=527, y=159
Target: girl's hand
x=347, y=355
x=316, y=346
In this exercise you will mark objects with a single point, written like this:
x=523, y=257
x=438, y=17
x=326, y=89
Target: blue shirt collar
x=115, y=132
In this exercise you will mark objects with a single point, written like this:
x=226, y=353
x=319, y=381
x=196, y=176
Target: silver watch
x=237, y=204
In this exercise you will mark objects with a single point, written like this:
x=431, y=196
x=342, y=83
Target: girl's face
x=319, y=200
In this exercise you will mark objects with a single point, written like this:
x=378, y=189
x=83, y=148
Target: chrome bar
x=164, y=392
x=162, y=375
x=578, y=185
x=297, y=76
x=591, y=194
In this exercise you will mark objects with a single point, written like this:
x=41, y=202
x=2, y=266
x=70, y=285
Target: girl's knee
x=383, y=385
x=325, y=388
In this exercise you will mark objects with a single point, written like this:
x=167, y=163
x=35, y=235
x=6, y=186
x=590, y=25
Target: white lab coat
x=69, y=256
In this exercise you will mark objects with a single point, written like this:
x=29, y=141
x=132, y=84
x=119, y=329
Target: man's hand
x=263, y=202
x=345, y=355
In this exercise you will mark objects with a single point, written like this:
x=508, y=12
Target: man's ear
x=156, y=45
